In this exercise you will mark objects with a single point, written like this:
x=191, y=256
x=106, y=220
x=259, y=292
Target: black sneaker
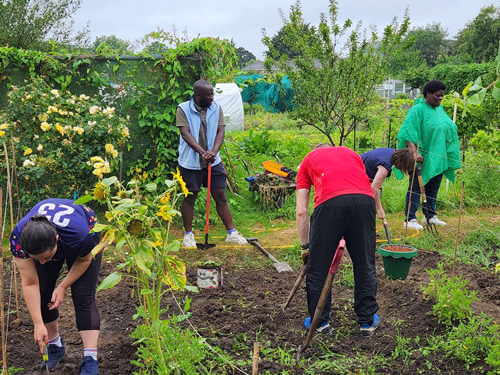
x=367, y=330
x=89, y=366
x=56, y=354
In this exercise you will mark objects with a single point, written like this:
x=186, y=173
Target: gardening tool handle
x=421, y=183
x=337, y=257
x=255, y=243
x=302, y=274
x=209, y=183
x=387, y=232
x=325, y=292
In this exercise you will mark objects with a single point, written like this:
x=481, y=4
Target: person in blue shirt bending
x=378, y=164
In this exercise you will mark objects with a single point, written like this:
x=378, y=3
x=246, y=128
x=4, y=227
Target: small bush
x=473, y=340
x=453, y=300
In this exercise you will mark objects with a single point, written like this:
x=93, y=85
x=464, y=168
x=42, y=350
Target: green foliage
x=471, y=118
x=480, y=174
x=27, y=24
x=479, y=38
x=403, y=350
x=493, y=359
x=486, y=142
x=173, y=83
x=453, y=300
x=56, y=134
x=245, y=57
x=179, y=351
x=111, y=44
x=473, y=340
x=430, y=42
x=456, y=76
x=333, y=86
x=140, y=226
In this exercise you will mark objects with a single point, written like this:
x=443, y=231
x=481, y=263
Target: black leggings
x=82, y=292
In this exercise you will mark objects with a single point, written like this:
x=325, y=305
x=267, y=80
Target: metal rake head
x=431, y=227
x=278, y=319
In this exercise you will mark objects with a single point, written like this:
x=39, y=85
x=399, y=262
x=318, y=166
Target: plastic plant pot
x=397, y=260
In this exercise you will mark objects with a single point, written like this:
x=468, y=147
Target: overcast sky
x=243, y=21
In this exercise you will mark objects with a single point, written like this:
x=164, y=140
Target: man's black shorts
x=194, y=179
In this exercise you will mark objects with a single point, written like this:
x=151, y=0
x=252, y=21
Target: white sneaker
x=434, y=220
x=236, y=238
x=189, y=240
x=413, y=224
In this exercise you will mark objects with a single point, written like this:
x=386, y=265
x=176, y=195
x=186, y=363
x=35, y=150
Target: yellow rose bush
x=56, y=134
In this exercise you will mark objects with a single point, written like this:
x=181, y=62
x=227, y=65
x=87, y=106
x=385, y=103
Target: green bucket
x=397, y=260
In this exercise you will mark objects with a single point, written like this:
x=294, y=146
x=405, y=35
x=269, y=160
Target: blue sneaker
x=367, y=330
x=89, y=366
x=56, y=353
x=324, y=328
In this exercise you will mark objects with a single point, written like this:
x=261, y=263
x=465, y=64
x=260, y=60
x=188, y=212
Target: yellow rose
x=4, y=126
x=28, y=151
x=2, y=133
x=59, y=128
x=40, y=147
x=45, y=126
x=109, y=147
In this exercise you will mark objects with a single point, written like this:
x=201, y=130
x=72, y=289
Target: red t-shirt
x=333, y=171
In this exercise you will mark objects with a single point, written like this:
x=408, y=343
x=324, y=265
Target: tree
x=334, y=85
x=430, y=42
x=117, y=45
x=479, y=39
x=26, y=24
x=244, y=56
x=279, y=40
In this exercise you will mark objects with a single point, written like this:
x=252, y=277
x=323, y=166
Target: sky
x=243, y=21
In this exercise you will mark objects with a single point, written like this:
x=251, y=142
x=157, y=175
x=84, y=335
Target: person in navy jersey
x=378, y=164
x=53, y=232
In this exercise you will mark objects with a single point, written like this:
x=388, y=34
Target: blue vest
x=189, y=158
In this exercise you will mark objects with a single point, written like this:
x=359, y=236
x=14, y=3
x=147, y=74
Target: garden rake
x=430, y=227
x=278, y=319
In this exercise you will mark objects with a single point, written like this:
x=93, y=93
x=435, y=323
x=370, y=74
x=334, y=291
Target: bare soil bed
x=240, y=312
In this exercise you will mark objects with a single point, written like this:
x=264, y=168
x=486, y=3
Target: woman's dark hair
x=404, y=160
x=38, y=235
x=433, y=86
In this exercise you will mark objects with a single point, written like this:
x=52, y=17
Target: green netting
x=274, y=97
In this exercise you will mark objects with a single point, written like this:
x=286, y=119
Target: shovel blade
x=204, y=246
x=282, y=267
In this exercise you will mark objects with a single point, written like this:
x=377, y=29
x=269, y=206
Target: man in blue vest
x=202, y=127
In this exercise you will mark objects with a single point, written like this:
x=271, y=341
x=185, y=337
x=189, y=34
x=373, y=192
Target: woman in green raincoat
x=429, y=126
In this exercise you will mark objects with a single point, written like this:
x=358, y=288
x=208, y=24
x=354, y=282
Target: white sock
x=92, y=352
x=56, y=341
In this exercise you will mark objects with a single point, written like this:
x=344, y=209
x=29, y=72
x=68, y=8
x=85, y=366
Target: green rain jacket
x=438, y=138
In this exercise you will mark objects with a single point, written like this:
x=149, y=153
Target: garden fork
x=431, y=227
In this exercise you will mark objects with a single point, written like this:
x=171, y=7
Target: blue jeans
x=431, y=191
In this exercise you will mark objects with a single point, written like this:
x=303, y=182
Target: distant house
x=255, y=67
x=391, y=87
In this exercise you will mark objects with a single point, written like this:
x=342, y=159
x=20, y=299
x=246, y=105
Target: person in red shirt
x=344, y=207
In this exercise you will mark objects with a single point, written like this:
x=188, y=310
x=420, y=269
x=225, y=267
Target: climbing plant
x=143, y=89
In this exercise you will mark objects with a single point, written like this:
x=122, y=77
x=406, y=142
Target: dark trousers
x=431, y=192
x=353, y=218
x=82, y=292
